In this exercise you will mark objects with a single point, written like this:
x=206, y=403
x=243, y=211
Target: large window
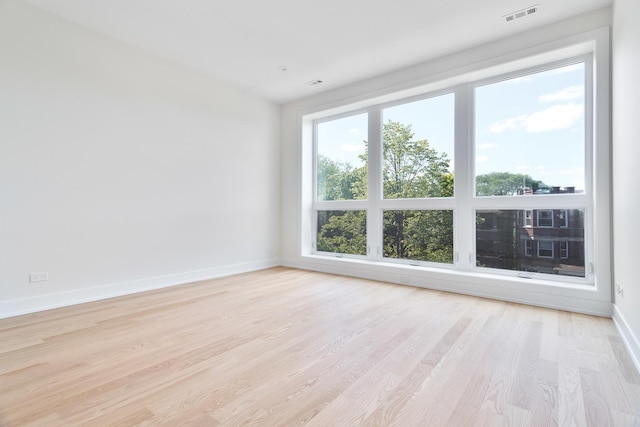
x=407, y=170
x=518, y=202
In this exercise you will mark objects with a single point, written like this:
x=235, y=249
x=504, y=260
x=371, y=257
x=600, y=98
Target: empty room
x=279, y=213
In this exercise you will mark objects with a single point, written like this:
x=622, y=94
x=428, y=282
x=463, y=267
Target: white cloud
x=522, y=168
x=487, y=146
x=354, y=131
x=351, y=147
x=565, y=94
x=552, y=118
x=507, y=124
x=481, y=159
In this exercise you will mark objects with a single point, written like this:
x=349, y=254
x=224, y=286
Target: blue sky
x=531, y=125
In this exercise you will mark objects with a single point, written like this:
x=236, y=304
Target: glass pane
x=419, y=235
x=418, y=144
x=504, y=240
x=343, y=232
x=341, y=162
x=530, y=134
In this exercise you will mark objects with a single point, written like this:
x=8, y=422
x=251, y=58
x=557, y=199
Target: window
x=563, y=220
x=545, y=218
x=387, y=190
x=528, y=247
x=545, y=249
x=528, y=218
x=564, y=250
x=409, y=171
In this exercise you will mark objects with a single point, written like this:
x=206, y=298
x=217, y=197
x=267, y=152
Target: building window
x=545, y=218
x=528, y=247
x=528, y=218
x=564, y=250
x=385, y=189
x=563, y=219
x=545, y=249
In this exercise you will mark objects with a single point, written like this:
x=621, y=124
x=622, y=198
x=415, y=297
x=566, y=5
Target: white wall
x=626, y=158
x=597, y=300
x=120, y=171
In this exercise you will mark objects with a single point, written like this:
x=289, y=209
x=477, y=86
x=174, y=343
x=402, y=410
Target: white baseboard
x=630, y=339
x=21, y=306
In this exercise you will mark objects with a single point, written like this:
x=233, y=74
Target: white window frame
x=550, y=211
x=564, y=221
x=564, y=253
x=376, y=204
x=528, y=247
x=597, y=120
x=465, y=202
x=528, y=218
x=552, y=249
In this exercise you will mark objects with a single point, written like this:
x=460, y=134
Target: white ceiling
x=338, y=41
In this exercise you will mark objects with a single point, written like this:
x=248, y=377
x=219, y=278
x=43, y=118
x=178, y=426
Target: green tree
x=505, y=184
x=334, y=178
x=343, y=232
x=412, y=169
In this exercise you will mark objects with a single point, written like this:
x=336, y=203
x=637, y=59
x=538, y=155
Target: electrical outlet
x=38, y=277
x=620, y=290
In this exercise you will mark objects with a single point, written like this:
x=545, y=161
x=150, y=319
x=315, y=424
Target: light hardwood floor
x=284, y=347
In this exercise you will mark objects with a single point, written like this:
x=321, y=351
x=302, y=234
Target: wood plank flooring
x=284, y=347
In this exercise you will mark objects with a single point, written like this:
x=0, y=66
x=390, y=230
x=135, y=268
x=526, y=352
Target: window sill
x=583, y=298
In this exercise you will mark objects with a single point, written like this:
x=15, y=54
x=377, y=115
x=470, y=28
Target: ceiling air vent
x=521, y=13
x=314, y=82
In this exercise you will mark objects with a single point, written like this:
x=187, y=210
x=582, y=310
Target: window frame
x=538, y=217
x=528, y=248
x=465, y=200
x=563, y=220
x=552, y=249
x=564, y=243
x=528, y=218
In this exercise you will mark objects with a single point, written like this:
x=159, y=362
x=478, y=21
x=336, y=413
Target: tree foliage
x=339, y=180
x=342, y=232
x=412, y=169
x=505, y=184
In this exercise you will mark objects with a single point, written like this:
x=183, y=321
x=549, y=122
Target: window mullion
x=374, y=185
x=464, y=224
